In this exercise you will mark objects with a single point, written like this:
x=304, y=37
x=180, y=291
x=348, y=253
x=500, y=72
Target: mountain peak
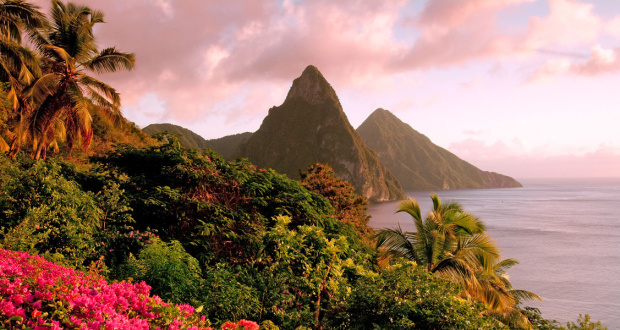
x=309, y=127
x=417, y=162
x=311, y=70
x=380, y=112
x=311, y=87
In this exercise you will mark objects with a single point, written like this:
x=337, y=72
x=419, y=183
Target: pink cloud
x=204, y=58
x=601, y=61
x=613, y=27
x=453, y=13
x=458, y=32
x=569, y=23
x=516, y=160
x=550, y=70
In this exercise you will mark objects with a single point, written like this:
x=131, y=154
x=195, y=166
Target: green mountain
x=225, y=146
x=310, y=126
x=418, y=163
x=187, y=138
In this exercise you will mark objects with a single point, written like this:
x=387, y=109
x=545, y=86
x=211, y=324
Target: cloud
x=518, y=160
x=569, y=23
x=613, y=27
x=457, y=32
x=601, y=61
x=237, y=58
x=550, y=70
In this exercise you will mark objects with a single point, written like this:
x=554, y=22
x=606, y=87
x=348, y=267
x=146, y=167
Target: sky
x=520, y=87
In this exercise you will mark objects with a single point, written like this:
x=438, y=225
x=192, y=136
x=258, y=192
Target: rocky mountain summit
x=311, y=126
x=418, y=163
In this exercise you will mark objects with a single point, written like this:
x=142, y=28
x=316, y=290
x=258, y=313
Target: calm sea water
x=564, y=232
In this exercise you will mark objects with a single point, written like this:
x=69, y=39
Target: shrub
x=36, y=293
x=172, y=273
x=42, y=212
x=348, y=206
x=406, y=296
x=218, y=210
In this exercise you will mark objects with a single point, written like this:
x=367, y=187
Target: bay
x=564, y=232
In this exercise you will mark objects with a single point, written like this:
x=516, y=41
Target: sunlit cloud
x=217, y=64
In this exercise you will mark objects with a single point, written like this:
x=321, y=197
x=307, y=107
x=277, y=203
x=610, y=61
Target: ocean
x=564, y=232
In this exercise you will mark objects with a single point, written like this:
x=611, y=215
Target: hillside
x=225, y=146
x=187, y=138
x=310, y=126
x=418, y=163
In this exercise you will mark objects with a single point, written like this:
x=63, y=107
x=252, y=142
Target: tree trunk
x=36, y=154
x=14, y=149
x=317, y=313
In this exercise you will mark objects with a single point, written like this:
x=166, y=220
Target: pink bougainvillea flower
x=34, y=289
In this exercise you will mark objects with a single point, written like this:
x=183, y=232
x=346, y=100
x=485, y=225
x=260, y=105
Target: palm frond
x=111, y=60
x=480, y=248
x=411, y=207
x=62, y=54
x=101, y=88
x=505, y=264
x=4, y=147
x=523, y=295
x=43, y=87
x=397, y=243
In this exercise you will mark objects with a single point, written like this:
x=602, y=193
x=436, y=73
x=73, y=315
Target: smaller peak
x=311, y=70
x=382, y=113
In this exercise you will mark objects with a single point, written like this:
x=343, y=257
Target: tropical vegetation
x=49, y=92
x=453, y=245
x=149, y=235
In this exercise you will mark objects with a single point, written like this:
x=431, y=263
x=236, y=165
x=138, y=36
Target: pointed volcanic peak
x=418, y=163
x=310, y=126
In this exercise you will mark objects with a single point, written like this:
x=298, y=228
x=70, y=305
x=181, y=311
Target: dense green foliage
x=43, y=211
x=418, y=163
x=243, y=242
x=217, y=209
x=405, y=296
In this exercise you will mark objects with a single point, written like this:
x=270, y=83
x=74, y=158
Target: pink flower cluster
x=42, y=295
x=241, y=325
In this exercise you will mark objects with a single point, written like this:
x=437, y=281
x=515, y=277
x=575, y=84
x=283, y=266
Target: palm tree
x=18, y=65
x=452, y=244
x=497, y=292
x=62, y=95
x=448, y=241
